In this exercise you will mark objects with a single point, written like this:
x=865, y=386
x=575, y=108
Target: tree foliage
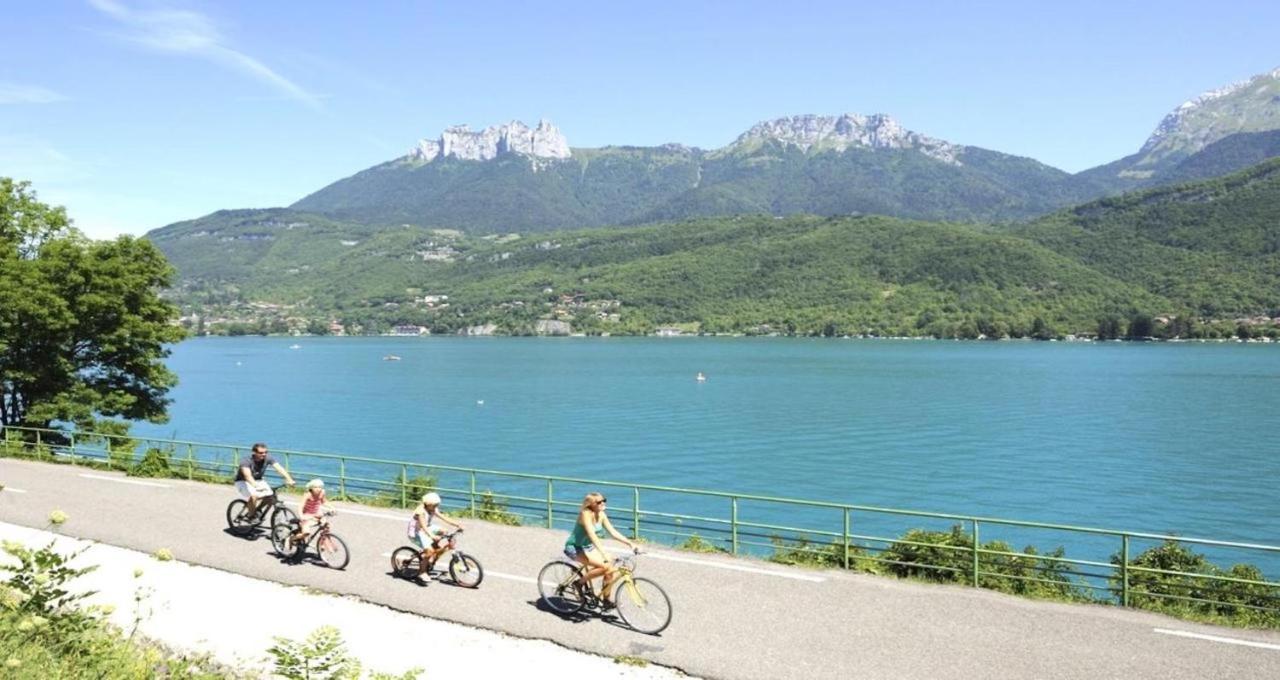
x=83, y=329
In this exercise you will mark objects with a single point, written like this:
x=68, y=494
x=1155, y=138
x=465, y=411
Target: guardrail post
x=342, y=478
x=473, y=493
x=733, y=524
x=846, y=538
x=404, y=486
x=977, y=543
x=191, y=461
x=73, y=448
x=37, y=444
x=550, y=495
x=1124, y=570
x=635, y=512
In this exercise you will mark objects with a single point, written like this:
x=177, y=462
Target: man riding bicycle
x=249, y=477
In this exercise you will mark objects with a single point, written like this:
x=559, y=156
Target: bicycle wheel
x=333, y=551
x=558, y=586
x=405, y=562
x=282, y=540
x=465, y=570
x=643, y=605
x=236, y=520
x=282, y=515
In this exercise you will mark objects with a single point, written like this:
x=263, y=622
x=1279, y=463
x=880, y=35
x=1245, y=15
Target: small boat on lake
x=295, y=346
x=391, y=357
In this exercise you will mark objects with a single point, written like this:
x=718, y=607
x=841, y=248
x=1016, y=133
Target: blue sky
x=137, y=113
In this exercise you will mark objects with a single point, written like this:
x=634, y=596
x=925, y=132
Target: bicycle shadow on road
x=419, y=582
x=251, y=535
x=300, y=560
x=584, y=615
x=576, y=617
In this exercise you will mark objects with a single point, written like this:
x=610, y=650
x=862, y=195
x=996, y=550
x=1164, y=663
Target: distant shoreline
x=744, y=336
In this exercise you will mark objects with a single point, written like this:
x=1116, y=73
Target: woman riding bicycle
x=584, y=545
x=426, y=533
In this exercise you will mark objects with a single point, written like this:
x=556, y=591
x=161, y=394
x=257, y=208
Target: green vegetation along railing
x=1147, y=570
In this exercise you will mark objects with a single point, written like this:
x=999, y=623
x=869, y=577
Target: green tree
x=83, y=331
x=1040, y=330
x=1141, y=326
x=1110, y=328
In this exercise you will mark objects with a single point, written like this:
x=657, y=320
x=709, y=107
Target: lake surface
x=1164, y=438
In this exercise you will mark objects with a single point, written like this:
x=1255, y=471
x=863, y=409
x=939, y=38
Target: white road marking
x=1217, y=638
x=362, y=513
x=497, y=574
x=9, y=488
x=656, y=556
x=125, y=481
x=511, y=577
x=735, y=567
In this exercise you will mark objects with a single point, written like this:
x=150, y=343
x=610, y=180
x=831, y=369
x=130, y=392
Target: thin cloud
x=192, y=33
x=12, y=93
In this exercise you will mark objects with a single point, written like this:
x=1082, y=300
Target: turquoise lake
x=1162, y=438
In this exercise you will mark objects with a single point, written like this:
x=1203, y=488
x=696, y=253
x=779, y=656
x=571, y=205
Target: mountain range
x=420, y=220
x=512, y=178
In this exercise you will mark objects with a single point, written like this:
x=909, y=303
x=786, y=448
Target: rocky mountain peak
x=459, y=141
x=823, y=133
x=1251, y=105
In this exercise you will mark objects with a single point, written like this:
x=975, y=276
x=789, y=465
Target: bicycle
x=642, y=604
x=465, y=570
x=241, y=524
x=329, y=547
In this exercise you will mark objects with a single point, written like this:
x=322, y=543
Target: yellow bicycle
x=642, y=604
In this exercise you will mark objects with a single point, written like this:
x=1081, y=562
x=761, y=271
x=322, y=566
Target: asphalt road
x=733, y=617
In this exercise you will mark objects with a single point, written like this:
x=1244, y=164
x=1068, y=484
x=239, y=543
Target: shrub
x=154, y=463
x=808, y=553
x=44, y=634
x=404, y=492
x=696, y=543
x=1188, y=594
x=323, y=656
x=1028, y=574
x=38, y=585
x=490, y=509
x=942, y=556
x=417, y=486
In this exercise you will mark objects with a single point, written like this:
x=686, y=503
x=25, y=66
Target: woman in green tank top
x=585, y=547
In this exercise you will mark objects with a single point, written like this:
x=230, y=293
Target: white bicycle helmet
x=432, y=498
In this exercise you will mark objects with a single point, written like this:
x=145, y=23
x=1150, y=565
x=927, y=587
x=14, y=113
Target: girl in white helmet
x=426, y=532
x=312, y=506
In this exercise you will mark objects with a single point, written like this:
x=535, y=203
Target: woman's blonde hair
x=590, y=500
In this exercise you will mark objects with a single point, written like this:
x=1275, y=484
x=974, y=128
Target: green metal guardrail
x=544, y=500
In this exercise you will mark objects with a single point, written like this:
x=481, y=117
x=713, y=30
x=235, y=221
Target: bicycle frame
x=625, y=566
x=450, y=545
x=322, y=529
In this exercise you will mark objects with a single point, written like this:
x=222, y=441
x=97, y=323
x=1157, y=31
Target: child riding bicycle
x=313, y=506
x=426, y=533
